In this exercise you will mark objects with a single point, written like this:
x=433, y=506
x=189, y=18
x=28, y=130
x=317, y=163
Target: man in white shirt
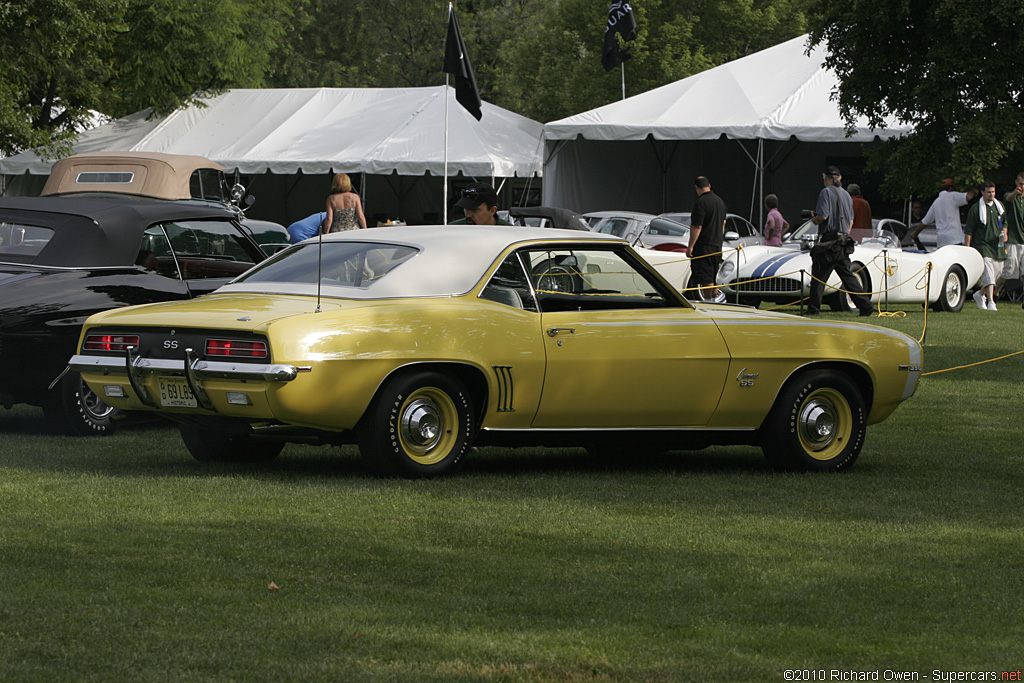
x=944, y=214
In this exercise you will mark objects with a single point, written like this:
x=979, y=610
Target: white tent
x=280, y=135
x=771, y=108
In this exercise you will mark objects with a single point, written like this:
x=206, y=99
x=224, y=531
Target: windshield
x=880, y=237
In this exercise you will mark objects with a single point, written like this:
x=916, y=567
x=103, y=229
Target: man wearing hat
x=479, y=203
x=833, y=214
x=944, y=213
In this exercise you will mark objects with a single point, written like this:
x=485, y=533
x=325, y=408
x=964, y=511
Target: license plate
x=174, y=393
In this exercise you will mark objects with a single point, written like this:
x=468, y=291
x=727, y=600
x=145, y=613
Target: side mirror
x=732, y=236
x=806, y=214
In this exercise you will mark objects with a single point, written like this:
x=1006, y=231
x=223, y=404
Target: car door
x=621, y=352
x=749, y=236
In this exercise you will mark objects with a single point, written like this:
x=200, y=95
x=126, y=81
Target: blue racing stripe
x=772, y=265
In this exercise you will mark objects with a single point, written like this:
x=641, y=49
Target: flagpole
x=444, y=211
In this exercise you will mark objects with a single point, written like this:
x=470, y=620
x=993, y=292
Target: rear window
x=104, y=178
x=20, y=241
x=346, y=264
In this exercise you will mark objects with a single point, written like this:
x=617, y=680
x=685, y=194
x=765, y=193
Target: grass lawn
x=122, y=558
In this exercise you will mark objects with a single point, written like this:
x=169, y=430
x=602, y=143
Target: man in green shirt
x=985, y=232
x=1014, y=222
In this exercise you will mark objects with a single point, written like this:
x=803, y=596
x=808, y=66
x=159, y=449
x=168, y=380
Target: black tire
x=419, y=424
x=73, y=408
x=841, y=301
x=954, y=291
x=818, y=423
x=207, y=445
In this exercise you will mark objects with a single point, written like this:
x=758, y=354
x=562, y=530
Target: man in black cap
x=479, y=203
x=833, y=215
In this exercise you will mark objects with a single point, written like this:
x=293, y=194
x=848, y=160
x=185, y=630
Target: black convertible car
x=62, y=259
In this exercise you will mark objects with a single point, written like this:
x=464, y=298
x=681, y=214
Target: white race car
x=893, y=275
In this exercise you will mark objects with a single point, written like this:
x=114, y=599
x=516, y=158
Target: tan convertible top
x=151, y=174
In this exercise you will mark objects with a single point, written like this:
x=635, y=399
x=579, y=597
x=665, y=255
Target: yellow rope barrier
x=971, y=365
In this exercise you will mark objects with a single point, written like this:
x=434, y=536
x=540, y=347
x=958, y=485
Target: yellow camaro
x=418, y=342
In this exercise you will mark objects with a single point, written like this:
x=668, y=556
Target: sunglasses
x=477, y=194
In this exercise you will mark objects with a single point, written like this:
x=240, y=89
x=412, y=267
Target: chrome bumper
x=190, y=366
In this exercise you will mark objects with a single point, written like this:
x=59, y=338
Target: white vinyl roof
x=774, y=94
x=322, y=130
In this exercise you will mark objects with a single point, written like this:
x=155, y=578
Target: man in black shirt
x=707, y=230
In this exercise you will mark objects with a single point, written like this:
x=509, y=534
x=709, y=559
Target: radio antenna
x=319, y=261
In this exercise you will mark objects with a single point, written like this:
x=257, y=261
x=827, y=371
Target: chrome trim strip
x=201, y=369
x=584, y=430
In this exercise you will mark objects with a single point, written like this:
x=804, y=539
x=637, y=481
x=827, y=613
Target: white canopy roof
x=321, y=130
x=773, y=95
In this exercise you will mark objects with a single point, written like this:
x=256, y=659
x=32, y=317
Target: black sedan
x=63, y=259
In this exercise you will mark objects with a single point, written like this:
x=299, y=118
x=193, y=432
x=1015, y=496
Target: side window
x=592, y=279
x=210, y=249
x=740, y=227
x=510, y=285
x=155, y=253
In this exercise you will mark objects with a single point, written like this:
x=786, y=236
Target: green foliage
x=53, y=68
x=64, y=59
x=540, y=58
x=169, y=52
x=947, y=67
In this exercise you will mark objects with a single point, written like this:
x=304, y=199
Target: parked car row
x=417, y=342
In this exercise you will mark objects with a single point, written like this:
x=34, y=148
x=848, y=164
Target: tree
x=949, y=68
x=553, y=68
x=65, y=59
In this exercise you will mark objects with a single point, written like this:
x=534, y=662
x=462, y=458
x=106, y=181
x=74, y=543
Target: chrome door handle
x=553, y=332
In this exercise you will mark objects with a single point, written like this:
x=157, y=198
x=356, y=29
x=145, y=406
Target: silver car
x=641, y=229
x=738, y=230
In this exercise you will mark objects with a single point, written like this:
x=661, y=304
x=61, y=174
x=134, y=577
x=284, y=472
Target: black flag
x=456, y=62
x=621, y=21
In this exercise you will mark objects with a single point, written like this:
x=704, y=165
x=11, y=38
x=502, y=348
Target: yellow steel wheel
x=420, y=424
x=428, y=426
x=818, y=422
x=824, y=424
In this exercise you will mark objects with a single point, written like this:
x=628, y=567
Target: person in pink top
x=776, y=226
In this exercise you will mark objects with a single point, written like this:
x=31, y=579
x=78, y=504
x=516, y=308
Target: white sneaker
x=992, y=305
x=979, y=299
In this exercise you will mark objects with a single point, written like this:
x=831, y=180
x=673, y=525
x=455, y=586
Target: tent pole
x=622, y=65
x=760, y=176
x=444, y=212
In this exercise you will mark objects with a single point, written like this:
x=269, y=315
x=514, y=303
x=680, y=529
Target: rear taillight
x=110, y=342
x=234, y=348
